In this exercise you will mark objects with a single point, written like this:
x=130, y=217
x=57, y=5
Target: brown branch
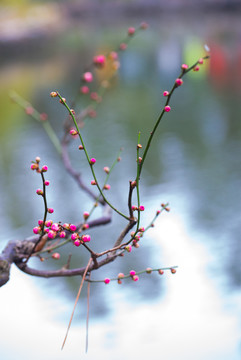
x=132, y=186
x=124, y=232
x=76, y=300
x=17, y=251
x=64, y=272
x=76, y=175
x=13, y=252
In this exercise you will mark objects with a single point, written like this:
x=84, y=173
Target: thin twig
x=76, y=175
x=87, y=316
x=76, y=300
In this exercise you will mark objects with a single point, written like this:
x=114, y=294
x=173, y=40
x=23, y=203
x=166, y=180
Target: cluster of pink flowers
x=35, y=166
x=78, y=240
x=136, y=238
x=100, y=62
x=56, y=229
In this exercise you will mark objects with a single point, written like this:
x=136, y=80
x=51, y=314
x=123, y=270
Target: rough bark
x=14, y=252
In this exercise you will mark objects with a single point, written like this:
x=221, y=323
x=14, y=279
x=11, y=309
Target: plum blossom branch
x=134, y=275
x=178, y=82
x=90, y=161
x=40, y=117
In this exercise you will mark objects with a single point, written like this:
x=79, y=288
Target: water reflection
x=194, y=162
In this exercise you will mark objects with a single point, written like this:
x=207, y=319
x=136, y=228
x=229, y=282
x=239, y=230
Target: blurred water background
x=194, y=164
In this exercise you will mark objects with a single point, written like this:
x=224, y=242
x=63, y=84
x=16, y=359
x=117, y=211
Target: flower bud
x=113, y=55
x=99, y=61
x=133, y=184
x=72, y=227
x=123, y=46
x=48, y=223
x=29, y=110
x=74, y=236
x=106, y=169
x=51, y=234
x=86, y=215
x=131, y=31
x=36, y=230
x=85, y=226
x=167, y=108
x=44, y=168
x=84, y=90
x=63, y=100
x=128, y=248
x=34, y=166
x=92, y=161
x=179, y=82
x=121, y=276
x=73, y=132
x=53, y=94
x=43, y=116
x=184, y=66
x=87, y=77
x=77, y=242
x=86, y=238
x=196, y=68
x=55, y=227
